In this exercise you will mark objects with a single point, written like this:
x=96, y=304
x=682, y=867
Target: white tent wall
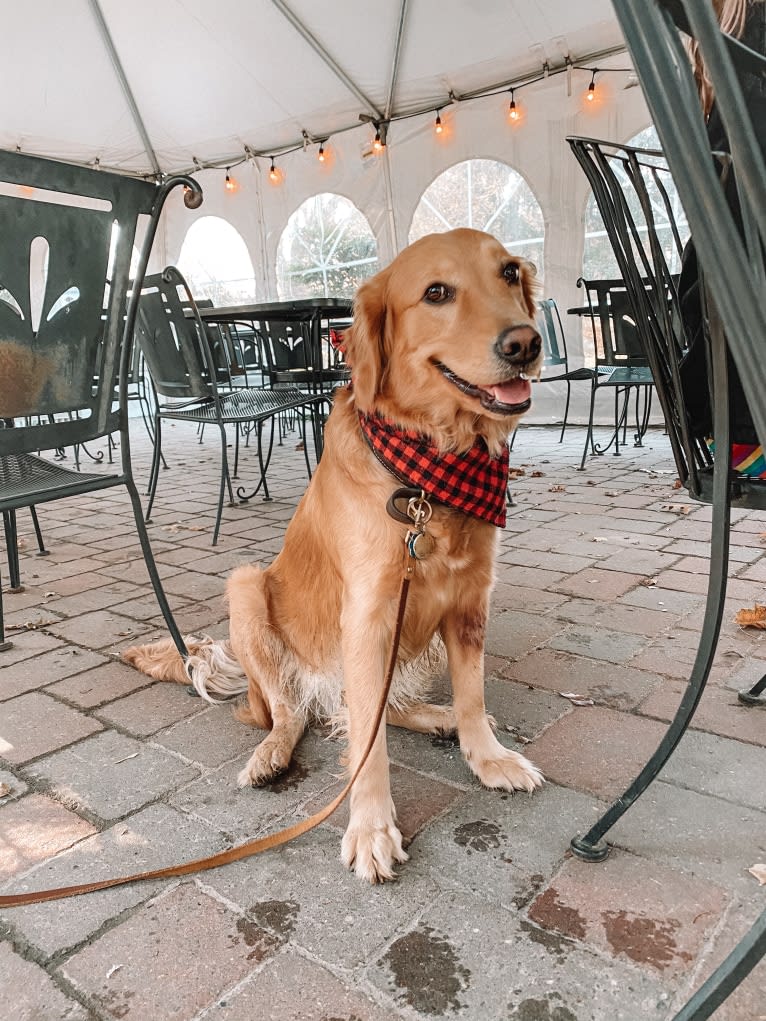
x=479, y=129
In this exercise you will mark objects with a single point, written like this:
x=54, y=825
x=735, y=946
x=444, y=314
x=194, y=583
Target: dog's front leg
x=372, y=843
x=496, y=766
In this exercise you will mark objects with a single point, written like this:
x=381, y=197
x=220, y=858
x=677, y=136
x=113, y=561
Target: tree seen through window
x=486, y=195
x=327, y=248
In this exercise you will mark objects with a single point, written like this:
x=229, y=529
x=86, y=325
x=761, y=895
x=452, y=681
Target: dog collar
x=472, y=482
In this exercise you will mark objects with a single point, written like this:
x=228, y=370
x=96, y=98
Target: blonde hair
x=731, y=15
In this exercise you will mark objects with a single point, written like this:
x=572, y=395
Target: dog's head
x=444, y=339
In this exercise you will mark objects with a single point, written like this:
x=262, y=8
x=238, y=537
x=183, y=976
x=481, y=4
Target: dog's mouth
x=511, y=397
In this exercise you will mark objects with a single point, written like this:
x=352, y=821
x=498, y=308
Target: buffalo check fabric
x=471, y=482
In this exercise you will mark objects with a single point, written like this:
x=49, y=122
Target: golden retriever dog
x=442, y=344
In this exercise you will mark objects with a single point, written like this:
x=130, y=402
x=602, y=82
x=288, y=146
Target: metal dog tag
x=420, y=545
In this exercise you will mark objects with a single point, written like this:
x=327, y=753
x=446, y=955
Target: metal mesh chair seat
x=27, y=479
x=249, y=405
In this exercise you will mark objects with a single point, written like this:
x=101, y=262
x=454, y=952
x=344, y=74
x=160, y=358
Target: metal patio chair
x=66, y=237
x=176, y=346
x=621, y=363
x=556, y=357
x=736, y=320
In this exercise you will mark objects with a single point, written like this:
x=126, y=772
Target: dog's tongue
x=515, y=391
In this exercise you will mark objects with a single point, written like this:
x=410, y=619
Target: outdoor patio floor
x=600, y=586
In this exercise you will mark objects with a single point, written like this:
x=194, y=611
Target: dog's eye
x=511, y=273
x=435, y=294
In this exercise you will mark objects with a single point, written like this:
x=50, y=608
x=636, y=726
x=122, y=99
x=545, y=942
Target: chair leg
x=41, y=550
x=154, y=473
x=566, y=414
x=225, y=484
x=589, y=433
x=591, y=847
x=512, y=440
x=727, y=975
x=4, y=645
x=754, y=696
x=151, y=567
x=12, y=549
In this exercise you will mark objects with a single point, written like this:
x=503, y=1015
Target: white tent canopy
x=169, y=85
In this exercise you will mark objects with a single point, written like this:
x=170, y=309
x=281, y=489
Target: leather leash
x=417, y=516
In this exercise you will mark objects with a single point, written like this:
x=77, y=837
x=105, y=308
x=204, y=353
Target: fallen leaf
x=762, y=536
x=537, y=475
x=759, y=871
x=678, y=484
x=649, y=582
x=576, y=699
x=30, y=625
x=752, y=618
x=516, y=473
x=5, y=790
x=557, y=489
x=676, y=508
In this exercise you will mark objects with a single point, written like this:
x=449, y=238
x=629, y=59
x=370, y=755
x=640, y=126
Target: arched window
x=598, y=261
x=486, y=195
x=216, y=263
x=327, y=248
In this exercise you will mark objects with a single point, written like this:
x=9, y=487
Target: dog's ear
x=530, y=286
x=364, y=340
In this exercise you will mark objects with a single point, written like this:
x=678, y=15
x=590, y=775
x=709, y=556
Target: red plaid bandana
x=473, y=482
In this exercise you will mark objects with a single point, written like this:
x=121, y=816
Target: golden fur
x=312, y=631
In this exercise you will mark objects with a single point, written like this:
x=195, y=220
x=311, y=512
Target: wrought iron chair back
x=66, y=241
x=176, y=345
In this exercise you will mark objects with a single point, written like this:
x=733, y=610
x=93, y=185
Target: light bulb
x=377, y=144
x=320, y=155
x=273, y=172
x=513, y=113
x=590, y=95
x=438, y=126
x=230, y=183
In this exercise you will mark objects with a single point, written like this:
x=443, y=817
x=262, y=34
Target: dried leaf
x=516, y=473
x=752, y=618
x=5, y=790
x=759, y=871
x=557, y=489
x=537, y=475
x=762, y=536
x=678, y=484
x=676, y=508
x=30, y=625
x=649, y=582
x=576, y=699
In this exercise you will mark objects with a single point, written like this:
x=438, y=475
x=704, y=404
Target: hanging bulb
x=590, y=95
x=438, y=126
x=321, y=154
x=377, y=144
x=273, y=172
x=513, y=112
x=230, y=184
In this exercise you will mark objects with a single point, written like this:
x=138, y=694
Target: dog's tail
x=211, y=667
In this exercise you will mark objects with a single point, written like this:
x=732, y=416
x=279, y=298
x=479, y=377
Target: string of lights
x=379, y=141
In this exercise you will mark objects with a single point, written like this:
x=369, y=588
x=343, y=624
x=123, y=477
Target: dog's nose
x=518, y=344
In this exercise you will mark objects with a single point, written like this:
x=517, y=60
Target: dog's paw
x=267, y=762
x=372, y=850
x=508, y=771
